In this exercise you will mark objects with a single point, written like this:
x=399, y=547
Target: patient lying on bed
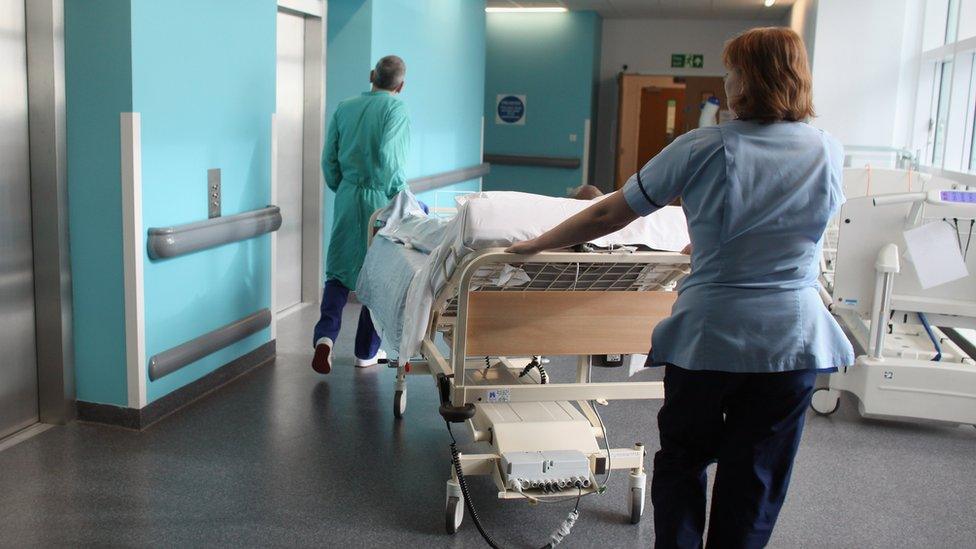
x=586, y=192
x=414, y=255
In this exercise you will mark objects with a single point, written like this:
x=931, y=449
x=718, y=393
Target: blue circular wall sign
x=511, y=109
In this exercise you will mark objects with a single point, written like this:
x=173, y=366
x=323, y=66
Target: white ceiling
x=665, y=9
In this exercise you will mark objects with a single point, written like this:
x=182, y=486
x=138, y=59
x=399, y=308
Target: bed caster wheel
x=399, y=404
x=453, y=514
x=637, y=483
x=824, y=401
x=636, y=505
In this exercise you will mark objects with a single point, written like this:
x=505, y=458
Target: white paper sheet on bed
x=484, y=220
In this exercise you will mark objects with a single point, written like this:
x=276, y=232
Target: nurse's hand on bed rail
x=526, y=247
x=602, y=218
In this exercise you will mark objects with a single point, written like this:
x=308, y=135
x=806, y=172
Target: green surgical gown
x=363, y=163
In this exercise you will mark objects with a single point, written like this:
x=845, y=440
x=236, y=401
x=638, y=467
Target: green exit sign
x=687, y=60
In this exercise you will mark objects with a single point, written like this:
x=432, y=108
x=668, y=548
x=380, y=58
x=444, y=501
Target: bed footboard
x=564, y=322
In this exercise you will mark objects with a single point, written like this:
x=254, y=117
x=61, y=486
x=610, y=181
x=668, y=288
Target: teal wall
x=443, y=45
x=202, y=77
x=552, y=59
x=206, y=101
x=98, y=84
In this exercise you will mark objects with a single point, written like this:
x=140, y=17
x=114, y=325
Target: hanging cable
x=955, y=227
x=554, y=539
x=543, y=375
x=935, y=342
x=969, y=239
x=606, y=441
x=567, y=525
x=536, y=363
x=867, y=191
x=456, y=460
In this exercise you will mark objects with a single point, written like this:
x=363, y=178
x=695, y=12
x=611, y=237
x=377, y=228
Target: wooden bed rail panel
x=564, y=323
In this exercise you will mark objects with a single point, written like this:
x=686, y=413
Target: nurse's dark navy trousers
x=750, y=424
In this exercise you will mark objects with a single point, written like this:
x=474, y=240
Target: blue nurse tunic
x=758, y=198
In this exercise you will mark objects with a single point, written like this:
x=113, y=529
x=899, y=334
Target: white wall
x=803, y=20
x=645, y=46
x=865, y=70
x=908, y=77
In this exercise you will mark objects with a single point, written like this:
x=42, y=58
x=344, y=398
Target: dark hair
x=775, y=73
x=389, y=72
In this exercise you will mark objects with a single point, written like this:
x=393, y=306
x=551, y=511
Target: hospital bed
x=497, y=313
x=916, y=353
x=868, y=181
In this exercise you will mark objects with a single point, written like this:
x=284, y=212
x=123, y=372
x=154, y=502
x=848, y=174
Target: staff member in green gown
x=363, y=162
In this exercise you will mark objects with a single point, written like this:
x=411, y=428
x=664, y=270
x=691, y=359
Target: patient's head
x=586, y=192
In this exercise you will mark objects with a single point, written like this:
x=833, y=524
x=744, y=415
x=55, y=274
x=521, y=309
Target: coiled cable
x=456, y=460
x=536, y=363
x=554, y=539
x=567, y=526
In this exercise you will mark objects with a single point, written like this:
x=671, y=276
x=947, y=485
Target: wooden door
x=697, y=90
x=662, y=118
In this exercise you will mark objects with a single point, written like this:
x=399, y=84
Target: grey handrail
x=171, y=360
x=536, y=161
x=431, y=182
x=166, y=242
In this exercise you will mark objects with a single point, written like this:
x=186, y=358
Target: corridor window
x=946, y=101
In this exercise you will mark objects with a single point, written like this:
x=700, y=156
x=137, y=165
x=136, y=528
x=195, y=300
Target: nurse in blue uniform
x=748, y=333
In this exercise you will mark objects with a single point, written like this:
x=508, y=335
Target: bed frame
x=574, y=303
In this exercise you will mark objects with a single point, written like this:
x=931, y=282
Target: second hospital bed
x=490, y=307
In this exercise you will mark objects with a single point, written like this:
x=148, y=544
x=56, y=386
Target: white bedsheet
x=484, y=220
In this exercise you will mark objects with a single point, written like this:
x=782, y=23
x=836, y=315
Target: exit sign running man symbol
x=687, y=60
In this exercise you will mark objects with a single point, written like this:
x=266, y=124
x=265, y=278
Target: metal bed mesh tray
x=575, y=276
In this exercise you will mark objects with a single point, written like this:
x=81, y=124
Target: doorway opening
x=297, y=180
x=36, y=371
x=654, y=110
x=18, y=370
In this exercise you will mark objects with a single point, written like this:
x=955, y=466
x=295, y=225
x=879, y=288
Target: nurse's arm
x=602, y=218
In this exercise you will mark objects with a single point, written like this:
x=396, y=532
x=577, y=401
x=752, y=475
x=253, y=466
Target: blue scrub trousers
x=750, y=423
x=334, y=297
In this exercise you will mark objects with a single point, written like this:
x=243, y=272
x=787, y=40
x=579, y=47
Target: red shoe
x=322, y=361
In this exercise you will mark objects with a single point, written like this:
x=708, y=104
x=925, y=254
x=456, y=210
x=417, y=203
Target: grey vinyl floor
x=284, y=457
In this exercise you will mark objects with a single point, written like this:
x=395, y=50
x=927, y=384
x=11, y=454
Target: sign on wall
x=510, y=109
x=687, y=60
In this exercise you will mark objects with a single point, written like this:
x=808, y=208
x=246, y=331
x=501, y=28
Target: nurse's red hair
x=772, y=63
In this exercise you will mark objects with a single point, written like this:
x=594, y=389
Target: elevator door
x=18, y=363
x=289, y=122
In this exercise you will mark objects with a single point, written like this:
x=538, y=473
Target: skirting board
x=131, y=418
